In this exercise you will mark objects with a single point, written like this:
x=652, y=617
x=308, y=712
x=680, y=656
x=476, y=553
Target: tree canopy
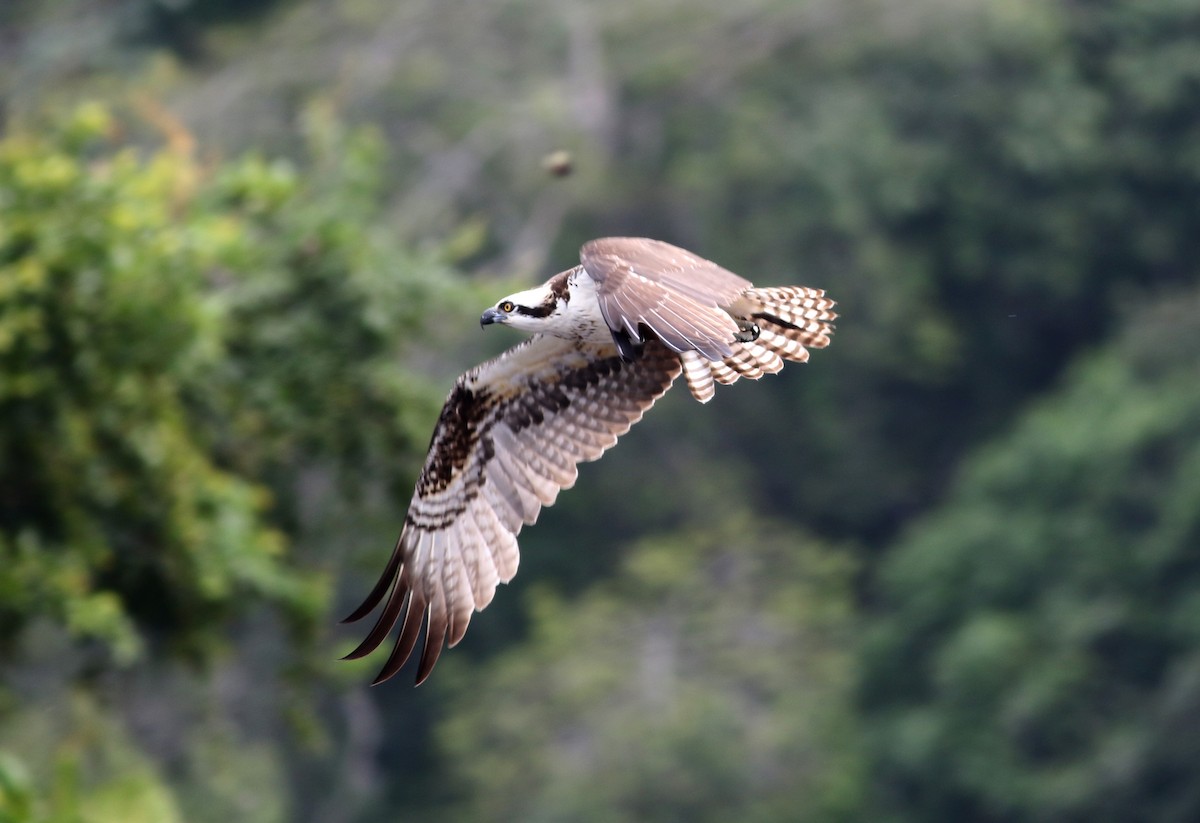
x=1038, y=654
x=946, y=570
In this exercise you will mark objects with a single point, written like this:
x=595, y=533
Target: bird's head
x=532, y=310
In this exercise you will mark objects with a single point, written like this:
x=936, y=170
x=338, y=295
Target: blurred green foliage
x=155, y=418
x=958, y=575
x=709, y=679
x=1038, y=653
x=115, y=511
x=94, y=775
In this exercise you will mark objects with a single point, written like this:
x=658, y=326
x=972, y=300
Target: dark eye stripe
x=538, y=311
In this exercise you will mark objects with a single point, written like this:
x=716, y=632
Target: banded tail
x=790, y=320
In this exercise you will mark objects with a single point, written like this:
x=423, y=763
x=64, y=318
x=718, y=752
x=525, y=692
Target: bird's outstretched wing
x=675, y=294
x=509, y=438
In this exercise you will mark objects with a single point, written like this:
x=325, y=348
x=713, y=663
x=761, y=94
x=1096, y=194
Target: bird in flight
x=609, y=337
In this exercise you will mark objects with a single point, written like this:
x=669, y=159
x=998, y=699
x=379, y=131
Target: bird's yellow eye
x=507, y=306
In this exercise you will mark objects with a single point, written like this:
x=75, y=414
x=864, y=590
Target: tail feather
x=754, y=360
x=698, y=374
x=796, y=309
x=787, y=343
x=723, y=373
x=790, y=320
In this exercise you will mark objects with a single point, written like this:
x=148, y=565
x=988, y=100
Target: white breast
x=582, y=319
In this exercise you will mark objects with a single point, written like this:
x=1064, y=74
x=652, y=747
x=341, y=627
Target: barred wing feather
x=510, y=436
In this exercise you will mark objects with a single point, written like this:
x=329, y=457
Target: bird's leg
x=748, y=331
x=742, y=310
x=628, y=348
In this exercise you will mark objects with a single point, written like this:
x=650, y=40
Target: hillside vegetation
x=948, y=570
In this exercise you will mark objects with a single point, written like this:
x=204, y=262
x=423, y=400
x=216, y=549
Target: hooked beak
x=491, y=316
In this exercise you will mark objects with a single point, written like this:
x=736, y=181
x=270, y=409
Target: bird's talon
x=749, y=332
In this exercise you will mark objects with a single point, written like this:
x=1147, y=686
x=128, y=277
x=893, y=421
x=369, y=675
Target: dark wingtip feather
x=406, y=642
x=435, y=639
x=387, y=619
x=385, y=580
x=427, y=669
x=362, y=611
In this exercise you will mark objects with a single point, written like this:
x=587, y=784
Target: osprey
x=609, y=338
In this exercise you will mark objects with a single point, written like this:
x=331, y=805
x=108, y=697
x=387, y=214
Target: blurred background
x=947, y=571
